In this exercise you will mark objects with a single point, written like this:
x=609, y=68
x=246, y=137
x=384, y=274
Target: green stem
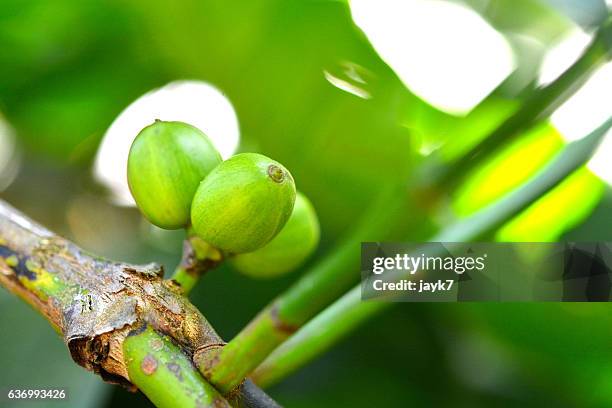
x=164, y=374
x=198, y=258
x=316, y=337
x=339, y=319
x=226, y=367
x=539, y=106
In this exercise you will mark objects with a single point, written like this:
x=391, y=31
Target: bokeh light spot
x=10, y=158
x=563, y=54
x=350, y=79
x=444, y=52
x=194, y=102
x=590, y=106
x=601, y=163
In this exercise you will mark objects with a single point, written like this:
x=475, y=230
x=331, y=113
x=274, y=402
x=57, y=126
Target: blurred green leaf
x=572, y=157
x=586, y=13
x=68, y=67
x=563, y=208
x=507, y=170
x=561, y=347
x=534, y=18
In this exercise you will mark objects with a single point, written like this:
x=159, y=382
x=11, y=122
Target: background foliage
x=68, y=68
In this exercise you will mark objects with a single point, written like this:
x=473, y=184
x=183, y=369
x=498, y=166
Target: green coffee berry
x=290, y=248
x=166, y=163
x=243, y=203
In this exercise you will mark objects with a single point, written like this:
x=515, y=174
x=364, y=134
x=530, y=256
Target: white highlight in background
x=444, y=52
x=589, y=107
x=601, y=163
x=194, y=102
x=10, y=159
x=563, y=54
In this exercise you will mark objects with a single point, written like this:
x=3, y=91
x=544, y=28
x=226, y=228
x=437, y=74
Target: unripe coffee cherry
x=243, y=203
x=167, y=161
x=296, y=241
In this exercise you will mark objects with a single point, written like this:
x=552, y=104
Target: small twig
x=255, y=397
x=164, y=374
x=318, y=335
x=198, y=258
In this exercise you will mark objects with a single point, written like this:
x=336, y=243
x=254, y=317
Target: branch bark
x=95, y=303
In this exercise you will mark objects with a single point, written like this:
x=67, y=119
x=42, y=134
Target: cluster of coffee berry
x=246, y=206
